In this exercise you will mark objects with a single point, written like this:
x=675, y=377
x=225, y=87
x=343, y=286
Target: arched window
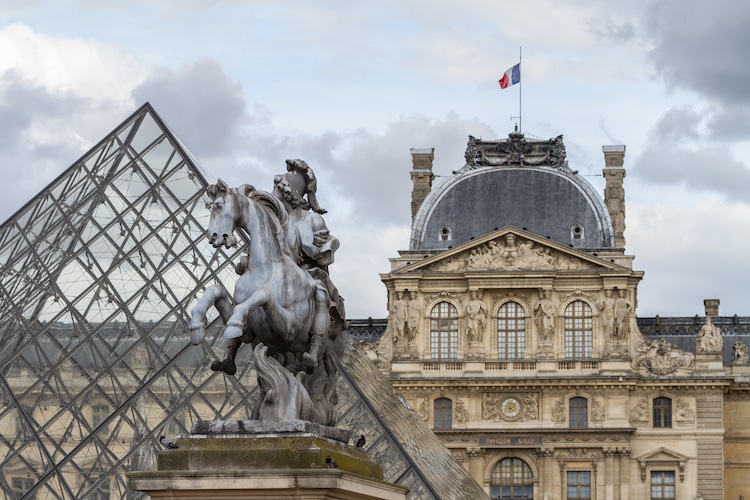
x=444, y=331
x=511, y=331
x=662, y=412
x=579, y=333
x=578, y=409
x=443, y=413
x=511, y=479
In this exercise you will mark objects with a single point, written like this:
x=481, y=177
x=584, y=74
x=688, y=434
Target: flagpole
x=520, y=85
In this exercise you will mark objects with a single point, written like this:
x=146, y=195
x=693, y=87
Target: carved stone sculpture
x=658, y=357
x=739, y=353
x=476, y=318
x=398, y=319
x=607, y=306
x=709, y=338
x=414, y=314
x=545, y=317
x=623, y=310
x=283, y=298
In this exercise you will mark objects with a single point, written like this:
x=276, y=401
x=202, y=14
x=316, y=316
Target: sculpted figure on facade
x=398, y=319
x=544, y=312
x=623, y=310
x=414, y=315
x=476, y=318
x=709, y=338
x=607, y=307
x=739, y=353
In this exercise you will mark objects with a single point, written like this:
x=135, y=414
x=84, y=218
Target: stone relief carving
x=709, y=338
x=462, y=414
x=597, y=410
x=491, y=407
x=544, y=316
x=558, y=411
x=516, y=150
x=739, y=353
x=658, y=357
x=640, y=412
x=424, y=411
x=476, y=318
x=530, y=406
x=509, y=253
x=444, y=295
x=683, y=413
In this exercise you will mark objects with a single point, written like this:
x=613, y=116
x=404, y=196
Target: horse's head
x=225, y=213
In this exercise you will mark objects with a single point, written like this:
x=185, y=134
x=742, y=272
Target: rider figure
x=311, y=242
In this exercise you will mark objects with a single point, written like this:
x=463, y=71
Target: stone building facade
x=512, y=332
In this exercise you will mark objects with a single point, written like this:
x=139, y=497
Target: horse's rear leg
x=217, y=296
x=227, y=364
x=321, y=323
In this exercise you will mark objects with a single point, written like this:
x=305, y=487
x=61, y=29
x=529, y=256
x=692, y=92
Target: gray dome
x=549, y=201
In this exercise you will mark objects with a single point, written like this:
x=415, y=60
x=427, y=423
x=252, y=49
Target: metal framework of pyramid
x=98, y=275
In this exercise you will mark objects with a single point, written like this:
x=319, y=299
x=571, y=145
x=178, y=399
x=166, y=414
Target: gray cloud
x=700, y=45
x=200, y=102
x=710, y=168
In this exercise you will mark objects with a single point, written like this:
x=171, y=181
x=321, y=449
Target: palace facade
x=512, y=333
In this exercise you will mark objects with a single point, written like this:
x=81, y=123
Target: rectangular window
x=579, y=485
x=579, y=413
x=20, y=485
x=663, y=485
x=99, y=413
x=662, y=413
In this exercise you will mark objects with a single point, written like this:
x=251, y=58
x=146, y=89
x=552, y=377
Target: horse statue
x=275, y=302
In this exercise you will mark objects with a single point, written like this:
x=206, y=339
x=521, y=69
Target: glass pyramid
x=98, y=274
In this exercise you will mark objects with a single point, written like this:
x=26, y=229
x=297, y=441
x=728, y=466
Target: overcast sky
x=351, y=86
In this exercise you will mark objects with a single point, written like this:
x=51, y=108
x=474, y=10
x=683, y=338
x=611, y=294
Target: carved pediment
x=510, y=251
x=662, y=457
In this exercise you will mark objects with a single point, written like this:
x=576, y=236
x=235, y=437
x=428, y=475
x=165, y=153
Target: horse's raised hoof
x=232, y=331
x=224, y=366
x=309, y=361
x=197, y=334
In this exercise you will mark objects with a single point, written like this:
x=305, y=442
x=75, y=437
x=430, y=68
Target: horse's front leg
x=236, y=322
x=217, y=296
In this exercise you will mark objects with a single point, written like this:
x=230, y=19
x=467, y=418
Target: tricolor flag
x=511, y=77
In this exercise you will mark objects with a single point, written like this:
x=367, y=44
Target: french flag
x=511, y=77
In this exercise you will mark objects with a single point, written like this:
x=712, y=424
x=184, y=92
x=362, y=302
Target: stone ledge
x=311, y=484
x=236, y=428
x=297, y=452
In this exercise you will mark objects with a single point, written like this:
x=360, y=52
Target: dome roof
x=513, y=182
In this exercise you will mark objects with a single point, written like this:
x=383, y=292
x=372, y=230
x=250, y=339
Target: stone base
x=264, y=459
x=268, y=485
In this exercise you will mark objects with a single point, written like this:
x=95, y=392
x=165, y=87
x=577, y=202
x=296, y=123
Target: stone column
x=624, y=472
x=476, y=464
x=545, y=454
x=614, y=193
x=609, y=472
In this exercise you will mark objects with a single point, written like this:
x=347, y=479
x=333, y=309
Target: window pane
x=579, y=332
x=444, y=331
x=511, y=331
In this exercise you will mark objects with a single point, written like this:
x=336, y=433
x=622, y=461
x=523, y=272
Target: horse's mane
x=279, y=218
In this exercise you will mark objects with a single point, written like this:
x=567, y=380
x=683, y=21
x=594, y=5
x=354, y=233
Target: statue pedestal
x=250, y=465
x=709, y=362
